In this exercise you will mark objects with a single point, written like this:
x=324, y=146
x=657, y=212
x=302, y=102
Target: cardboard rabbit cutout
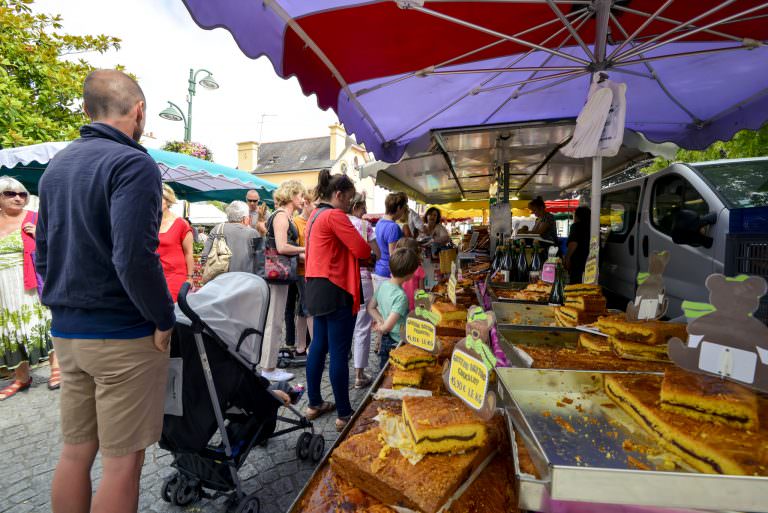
x=650, y=301
x=476, y=345
x=727, y=341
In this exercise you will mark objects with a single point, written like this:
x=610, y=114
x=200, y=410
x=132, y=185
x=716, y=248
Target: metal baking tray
x=495, y=296
x=581, y=444
x=510, y=339
x=526, y=316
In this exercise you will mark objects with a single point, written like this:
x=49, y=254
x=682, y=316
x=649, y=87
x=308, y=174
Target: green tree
x=40, y=90
x=745, y=144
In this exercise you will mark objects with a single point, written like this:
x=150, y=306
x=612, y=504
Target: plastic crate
x=747, y=253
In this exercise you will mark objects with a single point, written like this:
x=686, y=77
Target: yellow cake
x=582, y=289
x=571, y=317
x=594, y=304
x=408, y=357
x=407, y=378
x=709, y=398
x=443, y=425
x=647, y=332
x=709, y=447
x=594, y=343
x=449, y=312
x=637, y=351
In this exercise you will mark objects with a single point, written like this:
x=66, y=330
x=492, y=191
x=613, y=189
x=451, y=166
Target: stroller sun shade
x=234, y=306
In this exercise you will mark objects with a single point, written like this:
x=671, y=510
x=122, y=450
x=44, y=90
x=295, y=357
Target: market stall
x=471, y=100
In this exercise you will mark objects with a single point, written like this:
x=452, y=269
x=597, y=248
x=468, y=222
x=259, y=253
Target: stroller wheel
x=187, y=492
x=249, y=504
x=170, y=485
x=317, y=447
x=302, y=445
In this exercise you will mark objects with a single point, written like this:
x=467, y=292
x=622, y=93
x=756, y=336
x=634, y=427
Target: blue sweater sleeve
x=134, y=212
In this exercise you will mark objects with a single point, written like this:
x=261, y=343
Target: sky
x=161, y=42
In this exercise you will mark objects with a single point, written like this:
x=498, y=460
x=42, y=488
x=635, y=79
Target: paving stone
x=30, y=434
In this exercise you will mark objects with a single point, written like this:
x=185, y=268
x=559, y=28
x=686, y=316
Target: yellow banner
x=468, y=379
x=420, y=334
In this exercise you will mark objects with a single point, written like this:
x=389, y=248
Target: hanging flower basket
x=189, y=148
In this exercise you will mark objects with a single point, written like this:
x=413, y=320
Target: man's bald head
x=110, y=94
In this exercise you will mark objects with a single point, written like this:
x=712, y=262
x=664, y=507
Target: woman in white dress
x=24, y=322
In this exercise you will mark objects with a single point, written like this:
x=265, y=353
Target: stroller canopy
x=234, y=307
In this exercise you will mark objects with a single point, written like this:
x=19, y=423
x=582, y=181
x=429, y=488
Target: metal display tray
x=576, y=437
x=495, y=297
x=526, y=316
x=513, y=341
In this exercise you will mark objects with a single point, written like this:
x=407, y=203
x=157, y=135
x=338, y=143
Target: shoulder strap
x=311, y=222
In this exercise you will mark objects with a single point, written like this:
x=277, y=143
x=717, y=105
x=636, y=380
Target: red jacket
x=333, y=251
x=30, y=278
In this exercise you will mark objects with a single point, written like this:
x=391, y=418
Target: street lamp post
x=174, y=113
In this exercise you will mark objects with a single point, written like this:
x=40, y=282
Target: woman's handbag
x=277, y=268
x=218, y=258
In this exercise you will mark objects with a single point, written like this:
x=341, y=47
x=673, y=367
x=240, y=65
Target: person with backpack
x=238, y=237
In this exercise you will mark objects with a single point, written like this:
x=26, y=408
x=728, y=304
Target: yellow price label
x=420, y=334
x=590, y=269
x=468, y=379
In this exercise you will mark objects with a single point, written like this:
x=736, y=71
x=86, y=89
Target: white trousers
x=273, y=332
x=362, y=335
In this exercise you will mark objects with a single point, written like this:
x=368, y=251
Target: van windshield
x=741, y=184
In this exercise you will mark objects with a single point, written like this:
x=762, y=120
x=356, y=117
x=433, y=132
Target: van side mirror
x=688, y=228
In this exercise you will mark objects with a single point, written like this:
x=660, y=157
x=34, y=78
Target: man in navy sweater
x=112, y=314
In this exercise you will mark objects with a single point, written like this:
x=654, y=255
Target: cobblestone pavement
x=30, y=442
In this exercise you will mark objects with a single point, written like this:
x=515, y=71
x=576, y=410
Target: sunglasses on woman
x=11, y=194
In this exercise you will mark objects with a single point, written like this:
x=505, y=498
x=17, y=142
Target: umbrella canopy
x=395, y=70
x=191, y=178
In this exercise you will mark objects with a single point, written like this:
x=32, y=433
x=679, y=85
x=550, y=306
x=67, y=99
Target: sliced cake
x=583, y=289
x=572, y=317
x=450, y=312
x=708, y=398
x=407, y=378
x=594, y=304
x=638, y=351
x=594, y=343
x=443, y=424
x=707, y=446
x=367, y=463
x=644, y=332
x=408, y=357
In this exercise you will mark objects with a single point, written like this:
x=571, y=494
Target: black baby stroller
x=217, y=406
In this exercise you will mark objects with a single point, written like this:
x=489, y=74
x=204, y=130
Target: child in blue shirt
x=389, y=306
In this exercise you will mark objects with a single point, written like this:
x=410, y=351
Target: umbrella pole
x=597, y=178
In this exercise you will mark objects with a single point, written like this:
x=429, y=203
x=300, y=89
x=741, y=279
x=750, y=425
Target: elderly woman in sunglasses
x=24, y=321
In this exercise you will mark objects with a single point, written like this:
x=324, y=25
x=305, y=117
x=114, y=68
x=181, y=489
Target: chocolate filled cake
x=408, y=357
x=638, y=351
x=365, y=462
x=707, y=446
x=708, y=398
x=443, y=424
x=642, y=332
x=594, y=343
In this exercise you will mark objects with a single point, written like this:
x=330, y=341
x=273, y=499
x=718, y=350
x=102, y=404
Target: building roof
x=297, y=155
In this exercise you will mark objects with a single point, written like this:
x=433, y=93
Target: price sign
x=549, y=272
x=420, y=334
x=468, y=379
x=452, y=284
x=590, y=270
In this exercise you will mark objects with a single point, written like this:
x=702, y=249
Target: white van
x=711, y=216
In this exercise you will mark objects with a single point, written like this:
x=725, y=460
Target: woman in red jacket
x=334, y=249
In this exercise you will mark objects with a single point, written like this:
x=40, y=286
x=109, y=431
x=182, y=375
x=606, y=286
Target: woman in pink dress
x=175, y=249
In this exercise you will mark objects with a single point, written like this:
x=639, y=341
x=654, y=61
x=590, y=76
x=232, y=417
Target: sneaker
x=277, y=375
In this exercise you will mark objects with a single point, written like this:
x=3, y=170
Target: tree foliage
x=40, y=88
x=745, y=144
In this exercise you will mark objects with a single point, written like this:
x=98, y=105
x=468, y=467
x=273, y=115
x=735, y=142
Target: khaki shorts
x=112, y=391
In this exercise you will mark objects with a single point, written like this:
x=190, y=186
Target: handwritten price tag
x=468, y=379
x=590, y=270
x=420, y=334
x=452, y=284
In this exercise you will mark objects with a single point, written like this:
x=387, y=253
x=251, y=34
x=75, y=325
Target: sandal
x=363, y=382
x=54, y=382
x=342, y=422
x=312, y=412
x=14, y=388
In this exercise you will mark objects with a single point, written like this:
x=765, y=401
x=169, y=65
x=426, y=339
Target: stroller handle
x=182, y=301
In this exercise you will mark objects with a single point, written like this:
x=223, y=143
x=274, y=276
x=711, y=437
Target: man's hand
x=162, y=340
